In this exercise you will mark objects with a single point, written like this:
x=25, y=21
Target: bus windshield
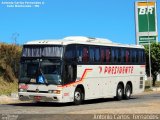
x=40, y=72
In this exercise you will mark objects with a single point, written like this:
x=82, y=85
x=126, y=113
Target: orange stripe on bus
x=79, y=81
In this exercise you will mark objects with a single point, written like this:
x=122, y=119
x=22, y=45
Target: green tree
x=155, y=60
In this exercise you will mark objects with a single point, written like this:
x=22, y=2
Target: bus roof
x=80, y=40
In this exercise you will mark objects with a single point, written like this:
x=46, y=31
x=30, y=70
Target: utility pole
x=14, y=37
x=149, y=45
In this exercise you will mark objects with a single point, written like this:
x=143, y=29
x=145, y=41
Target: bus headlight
x=54, y=91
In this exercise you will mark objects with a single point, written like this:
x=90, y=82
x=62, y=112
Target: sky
x=56, y=19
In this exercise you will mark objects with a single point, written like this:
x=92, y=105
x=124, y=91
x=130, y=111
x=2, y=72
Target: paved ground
x=145, y=103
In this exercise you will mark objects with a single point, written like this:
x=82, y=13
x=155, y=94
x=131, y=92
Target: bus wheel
x=127, y=92
x=78, y=96
x=119, y=94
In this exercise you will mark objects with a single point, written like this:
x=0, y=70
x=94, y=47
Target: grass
x=157, y=84
x=147, y=85
x=7, y=88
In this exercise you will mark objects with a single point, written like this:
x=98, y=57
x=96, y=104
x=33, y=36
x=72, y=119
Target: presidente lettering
x=116, y=69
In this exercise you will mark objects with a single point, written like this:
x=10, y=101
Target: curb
x=156, y=89
x=9, y=98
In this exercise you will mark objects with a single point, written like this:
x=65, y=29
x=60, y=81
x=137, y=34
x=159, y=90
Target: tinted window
x=117, y=55
x=141, y=56
x=127, y=57
x=108, y=55
x=134, y=56
x=79, y=54
x=82, y=54
x=85, y=54
x=112, y=54
x=97, y=55
x=91, y=54
x=70, y=54
x=123, y=54
x=103, y=55
x=94, y=54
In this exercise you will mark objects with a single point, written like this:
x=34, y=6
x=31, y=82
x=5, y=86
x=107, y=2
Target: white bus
x=74, y=69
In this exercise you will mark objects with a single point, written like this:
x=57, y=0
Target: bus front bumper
x=40, y=97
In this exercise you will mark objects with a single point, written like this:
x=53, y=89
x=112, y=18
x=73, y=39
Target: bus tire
x=128, y=91
x=120, y=92
x=78, y=96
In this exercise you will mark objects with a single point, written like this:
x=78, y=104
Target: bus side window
x=85, y=55
x=137, y=56
x=119, y=55
x=132, y=57
x=97, y=54
x=108, y=55
x=94, y=54
x=141, y=56
x=127, y=55
x=131, y=54
x=103, y=55
x=113, y=55
x=123, y=55
x=70, y=54
x=79, y=54
x=91, y=54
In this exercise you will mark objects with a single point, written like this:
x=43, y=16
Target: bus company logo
x=116, y=69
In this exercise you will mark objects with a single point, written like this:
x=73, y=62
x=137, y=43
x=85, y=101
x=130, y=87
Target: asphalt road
x=67, y=108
